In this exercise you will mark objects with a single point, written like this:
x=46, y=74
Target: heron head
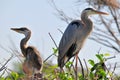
x=22, y=30
x=90, y=11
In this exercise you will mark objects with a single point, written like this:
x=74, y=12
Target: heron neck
x=87, y=22
x=23, y=44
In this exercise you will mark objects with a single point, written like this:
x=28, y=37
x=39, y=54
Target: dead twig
x=49, y=57
x=52, y=53
x=86, y=66
x=53, y=40
x=60, y=31
x=3, y=66
x=82, y=69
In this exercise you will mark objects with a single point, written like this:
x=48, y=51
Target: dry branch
x=3, y=66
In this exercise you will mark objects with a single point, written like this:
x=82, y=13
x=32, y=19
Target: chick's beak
x=99, y=12
x=15, y=29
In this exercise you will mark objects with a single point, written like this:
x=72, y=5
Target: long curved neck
x=23, y=43
x=87, y=22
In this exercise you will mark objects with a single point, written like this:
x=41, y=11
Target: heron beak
x=15, y=29
x=99, y=12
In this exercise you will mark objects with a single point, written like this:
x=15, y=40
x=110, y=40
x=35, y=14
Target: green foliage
x=68, y=64
x=98, y=70
x=100, y=57
x=51, y=71
x=12, y=76
x=91, y=62
x=65, y=76
x=81, y=77
x=2, y=78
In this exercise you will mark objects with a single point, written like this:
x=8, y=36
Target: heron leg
x=61, y=70
x=76, y=65
x=76, y=61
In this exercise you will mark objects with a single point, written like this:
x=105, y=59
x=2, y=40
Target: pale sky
x=40, y=18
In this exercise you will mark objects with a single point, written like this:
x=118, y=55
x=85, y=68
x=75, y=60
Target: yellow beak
x=99, y=12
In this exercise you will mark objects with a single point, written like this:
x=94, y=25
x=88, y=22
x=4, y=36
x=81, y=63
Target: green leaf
x=68, y=64
x=91, y=62
x=80, y=76
x=102, y=72
x=95, y=66
x=14, y=75
x=91, y=76
x=106, y=54
x=100, y=57
x=55, y=50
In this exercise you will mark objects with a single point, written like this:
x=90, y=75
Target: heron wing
x=34, y=56
x=69, y=38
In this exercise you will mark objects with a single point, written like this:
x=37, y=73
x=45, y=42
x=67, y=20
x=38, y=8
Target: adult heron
x=33, y=62
x=74, y=36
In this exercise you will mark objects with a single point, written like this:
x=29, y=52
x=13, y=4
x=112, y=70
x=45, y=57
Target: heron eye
x=88, y=9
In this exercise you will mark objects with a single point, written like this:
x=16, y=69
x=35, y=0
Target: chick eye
x=23, y=29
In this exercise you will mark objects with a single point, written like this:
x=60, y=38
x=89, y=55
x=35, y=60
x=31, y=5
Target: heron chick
x=33, y=62
x=74, y=36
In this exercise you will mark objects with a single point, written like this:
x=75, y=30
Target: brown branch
x=5, y=49
x=82, y=69
x=104, y=44
x=3, y=66
x=110, y=31
x=105, y=67
x=104, y=36
x=52, y=53
x=115, y=18
x=3, y=72
x=86, y=66
x=61, y=13
x=16, y=52
x=102, y=31
x=101, y=38
x=72, y=61
x=49, y=57
x=114, y=68
x=60, y=31
x=53, y=40
x=110, y=57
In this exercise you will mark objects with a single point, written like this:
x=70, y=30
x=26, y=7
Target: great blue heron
x=75, y=35
x=33, y=62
